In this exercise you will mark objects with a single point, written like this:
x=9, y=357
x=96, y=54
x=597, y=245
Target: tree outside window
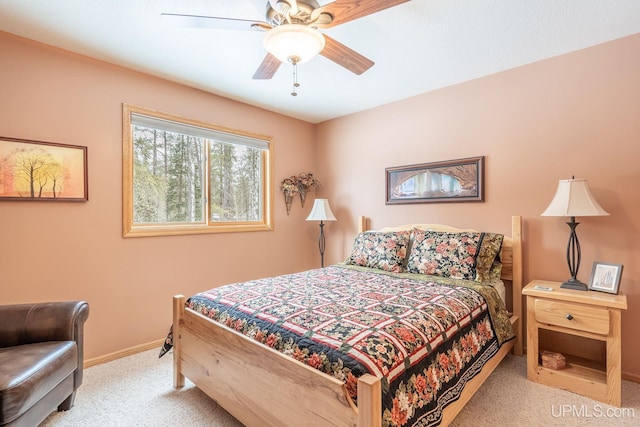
x=184, y=177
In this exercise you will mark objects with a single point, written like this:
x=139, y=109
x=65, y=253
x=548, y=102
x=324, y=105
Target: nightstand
x=591, y=315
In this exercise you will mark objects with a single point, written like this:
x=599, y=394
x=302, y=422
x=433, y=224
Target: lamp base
x=574, y=284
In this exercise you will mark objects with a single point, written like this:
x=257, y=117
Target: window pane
x=168, y=177
x=182, y=176
x=236, y=182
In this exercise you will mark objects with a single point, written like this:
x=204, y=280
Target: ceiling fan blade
x=268, y=68
x=345, y=57
x=348, y=10
x=199, y=21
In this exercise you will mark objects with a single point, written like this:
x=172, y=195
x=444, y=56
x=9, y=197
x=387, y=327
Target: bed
x=263, y=384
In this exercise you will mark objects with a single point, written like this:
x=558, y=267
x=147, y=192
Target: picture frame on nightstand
x=605, y=277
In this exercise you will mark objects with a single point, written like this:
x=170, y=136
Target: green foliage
x=149, y=195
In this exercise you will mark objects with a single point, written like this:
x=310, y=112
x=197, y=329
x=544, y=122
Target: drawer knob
x=569, y=317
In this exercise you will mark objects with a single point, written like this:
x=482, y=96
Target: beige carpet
x=137, y=391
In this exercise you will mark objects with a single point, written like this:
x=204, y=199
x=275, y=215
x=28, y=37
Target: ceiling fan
x=292, y=33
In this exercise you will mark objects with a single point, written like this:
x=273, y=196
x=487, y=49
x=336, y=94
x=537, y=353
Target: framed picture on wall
x=460, y=180
x=605, y=277
x=39, y=171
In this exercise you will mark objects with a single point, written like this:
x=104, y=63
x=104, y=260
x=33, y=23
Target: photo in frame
x=42, y=171
x=460, y=180
x=605, y=277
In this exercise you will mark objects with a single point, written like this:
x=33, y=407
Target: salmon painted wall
x=576, y=114
x=57, y=251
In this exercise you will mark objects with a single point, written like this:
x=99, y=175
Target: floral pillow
x=495, y=273
x=382, y=250
x=462, y=255
x=488, y=265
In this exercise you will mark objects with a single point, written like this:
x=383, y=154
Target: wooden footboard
x=260, y=386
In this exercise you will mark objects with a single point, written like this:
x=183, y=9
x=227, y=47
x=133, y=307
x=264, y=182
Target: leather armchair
x=41, y=357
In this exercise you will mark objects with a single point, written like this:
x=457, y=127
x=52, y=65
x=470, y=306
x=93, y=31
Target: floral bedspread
x=426, y=340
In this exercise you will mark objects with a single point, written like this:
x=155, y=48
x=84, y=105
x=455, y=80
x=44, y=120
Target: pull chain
x=294, y=61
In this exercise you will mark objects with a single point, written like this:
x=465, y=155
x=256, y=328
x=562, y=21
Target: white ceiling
x=418, y=46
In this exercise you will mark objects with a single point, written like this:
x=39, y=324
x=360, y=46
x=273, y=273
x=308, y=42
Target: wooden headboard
x=510, y=255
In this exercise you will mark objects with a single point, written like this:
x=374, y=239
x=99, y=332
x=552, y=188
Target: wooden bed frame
x=262, y=387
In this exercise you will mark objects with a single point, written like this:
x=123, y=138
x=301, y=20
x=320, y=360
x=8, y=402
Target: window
x=182, y=177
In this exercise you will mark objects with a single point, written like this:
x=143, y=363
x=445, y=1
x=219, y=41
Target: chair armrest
x=46, y=321
x=39, y=322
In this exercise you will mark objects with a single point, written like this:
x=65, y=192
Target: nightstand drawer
x=573, y=316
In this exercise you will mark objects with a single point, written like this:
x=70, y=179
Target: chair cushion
x=30, y=371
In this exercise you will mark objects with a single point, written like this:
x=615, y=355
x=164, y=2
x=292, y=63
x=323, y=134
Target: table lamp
x=573, y=199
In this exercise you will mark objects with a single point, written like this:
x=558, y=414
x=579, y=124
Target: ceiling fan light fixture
x=293, y=42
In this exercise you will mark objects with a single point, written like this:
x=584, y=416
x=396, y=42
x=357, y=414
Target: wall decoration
x=605, y=277
x=37, y=170
x=299, y=184
x=460, y=180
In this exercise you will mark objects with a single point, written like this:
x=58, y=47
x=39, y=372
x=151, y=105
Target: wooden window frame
x=130, y=229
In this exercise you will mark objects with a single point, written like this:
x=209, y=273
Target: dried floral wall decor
x=300, y=184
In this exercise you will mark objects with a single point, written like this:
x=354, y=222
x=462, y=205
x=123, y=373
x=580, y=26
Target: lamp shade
x=293, y=42
x=321, y=211
x=573, y=198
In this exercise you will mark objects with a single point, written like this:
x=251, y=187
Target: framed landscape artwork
x=460, y=180
x=37, y=170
